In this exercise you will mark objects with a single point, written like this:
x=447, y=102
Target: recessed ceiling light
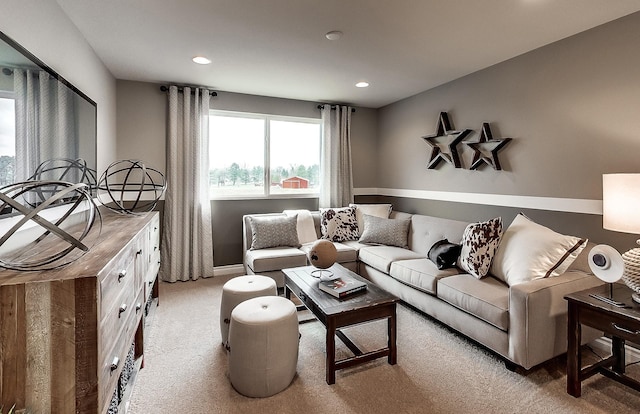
x=201, y=60
x=362, y=84
x=334, y=35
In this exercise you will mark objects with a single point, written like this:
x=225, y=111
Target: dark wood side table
x=622, y=324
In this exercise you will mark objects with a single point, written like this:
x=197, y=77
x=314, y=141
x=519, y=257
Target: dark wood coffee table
x=371, y=304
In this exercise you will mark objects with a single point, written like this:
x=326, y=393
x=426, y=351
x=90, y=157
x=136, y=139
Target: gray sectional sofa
x=525, y=323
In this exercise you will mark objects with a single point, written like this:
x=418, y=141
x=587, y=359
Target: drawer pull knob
x=138, y=307
x=139, y=252
x=122, y=274
x=625, y=330
x=155, y=248
x=115, y=363
x=122, y=309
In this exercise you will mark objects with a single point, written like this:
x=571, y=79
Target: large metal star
x=485, y=150
x=453, y=138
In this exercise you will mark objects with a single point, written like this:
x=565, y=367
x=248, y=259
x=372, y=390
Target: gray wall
x=43, y=28
x=571, y=108
x=141, y=111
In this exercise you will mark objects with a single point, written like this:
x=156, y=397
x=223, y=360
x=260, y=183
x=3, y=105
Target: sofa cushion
x=421, y=274
x=487, y=298
x=426, y=230
x=338, y=224
x=531, y=251
x=381, y=257
x=274, y=231
x=479, y=244
x=444, y=254
x=390, y=232
x=275, y=258
x=377, y=210
x=345, y=253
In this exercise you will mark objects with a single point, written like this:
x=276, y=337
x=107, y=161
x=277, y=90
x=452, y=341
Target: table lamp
x=621, y=212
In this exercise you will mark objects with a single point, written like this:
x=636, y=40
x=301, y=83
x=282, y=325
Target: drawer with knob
x=114, y=356
x=117, y=276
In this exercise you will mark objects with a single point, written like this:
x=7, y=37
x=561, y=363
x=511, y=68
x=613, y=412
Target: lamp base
x=631, y=275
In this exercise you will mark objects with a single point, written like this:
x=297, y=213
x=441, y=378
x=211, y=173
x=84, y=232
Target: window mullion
x=267, y=156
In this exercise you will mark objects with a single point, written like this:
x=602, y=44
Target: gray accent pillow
x=390, y=232
x=274, y=231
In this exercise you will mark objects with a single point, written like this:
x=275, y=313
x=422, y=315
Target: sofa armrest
x=538, y=316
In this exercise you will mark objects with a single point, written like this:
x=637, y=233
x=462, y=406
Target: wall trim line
x=571, y=205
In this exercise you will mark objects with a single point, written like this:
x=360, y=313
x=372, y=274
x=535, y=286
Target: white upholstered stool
x=263, y=339
x=238, y=290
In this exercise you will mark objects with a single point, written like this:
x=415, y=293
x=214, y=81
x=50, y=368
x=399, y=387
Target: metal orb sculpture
x=63, y=169
x=130, y=187
x=322, y=255
x=32, y=238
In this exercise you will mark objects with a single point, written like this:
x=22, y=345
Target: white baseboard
x=603, y=344
x=229, y=270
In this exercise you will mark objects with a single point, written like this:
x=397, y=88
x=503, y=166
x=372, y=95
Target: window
x=7, y=138
x=262, y=155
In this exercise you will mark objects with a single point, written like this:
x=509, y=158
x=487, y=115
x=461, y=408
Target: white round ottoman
x=263, y=339
x=238, y=290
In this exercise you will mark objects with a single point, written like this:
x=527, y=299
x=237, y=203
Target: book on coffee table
x=341, y=286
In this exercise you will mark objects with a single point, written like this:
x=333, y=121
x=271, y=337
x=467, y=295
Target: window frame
x=267, y=153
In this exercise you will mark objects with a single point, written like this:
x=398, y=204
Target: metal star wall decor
x=444, y=130
x=485, y=150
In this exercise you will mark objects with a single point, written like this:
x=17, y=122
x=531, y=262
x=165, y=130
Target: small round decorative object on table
x=322, y=255
x=129, y=186
x=42, y=240
x=606, y=263
x=631, y=275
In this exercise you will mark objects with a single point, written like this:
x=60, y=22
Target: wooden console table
x=622, y=324
x=65, y=333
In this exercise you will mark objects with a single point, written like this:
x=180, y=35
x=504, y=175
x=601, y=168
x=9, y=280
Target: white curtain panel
x=336, y=188
x=187, y=244
x=45, y=119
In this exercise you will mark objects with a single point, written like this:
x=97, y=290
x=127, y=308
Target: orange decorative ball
x=323, y=254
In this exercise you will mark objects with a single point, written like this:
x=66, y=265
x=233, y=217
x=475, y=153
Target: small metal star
x=455, y=137
x=485, y=150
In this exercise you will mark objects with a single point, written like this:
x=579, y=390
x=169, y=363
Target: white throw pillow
x=531, y=251
x=376, y=210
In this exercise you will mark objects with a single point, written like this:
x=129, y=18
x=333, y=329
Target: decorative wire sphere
x=322, y=255
x=130, y=187
x=64, y=169
x=35, y=239
x=631, y=275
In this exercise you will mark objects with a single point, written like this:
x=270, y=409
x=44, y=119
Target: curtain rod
x=320, y=106
x=165, y=88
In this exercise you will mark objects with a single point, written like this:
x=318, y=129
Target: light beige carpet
x=438, y=371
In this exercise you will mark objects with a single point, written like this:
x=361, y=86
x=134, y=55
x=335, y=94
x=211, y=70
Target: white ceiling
x=278, y=48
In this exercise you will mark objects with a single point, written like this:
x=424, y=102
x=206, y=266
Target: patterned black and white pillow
x=479, y=244
x=339, y=224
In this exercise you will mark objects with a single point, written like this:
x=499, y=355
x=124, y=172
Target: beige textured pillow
x=531, y=251
x=376, y=210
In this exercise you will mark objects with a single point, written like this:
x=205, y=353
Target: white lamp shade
x=621, y=202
